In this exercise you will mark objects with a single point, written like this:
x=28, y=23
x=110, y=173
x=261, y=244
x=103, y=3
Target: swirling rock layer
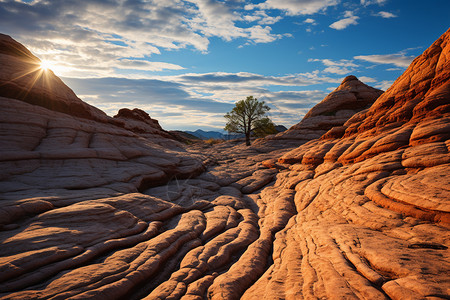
x=350, y=97
x=93, y=210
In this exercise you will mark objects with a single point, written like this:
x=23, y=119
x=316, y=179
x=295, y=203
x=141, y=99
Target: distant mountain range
x=280, y=128
x=206, y=135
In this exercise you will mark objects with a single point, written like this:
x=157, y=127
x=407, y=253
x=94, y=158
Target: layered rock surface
x=350, y=97
x=362, y=212
x=23, y=78
x=372, y=208
x=52, y=157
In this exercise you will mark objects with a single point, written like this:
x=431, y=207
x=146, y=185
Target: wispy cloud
x=146, y=65
x=289, y=107
x=214, y=18
x=92, y=38
x=341, y=67
x=371, y=2
x=295, y=7
x=202, y=98
x=384, y=85
x=229, y=87
x=398, y=59
x=367, y=79
x=259, y=34
x=301, y=79
x=349, y=19
x=385, y=14
x=262, y=18
x=109, y=52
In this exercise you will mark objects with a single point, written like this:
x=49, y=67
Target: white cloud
x=329, y=62
x=337, y=70
x=384, y=85
x=105, y=39
x=215, y=19
x=385, y=14
x=367, y=79
x=349, y=19
x=252, y=18
x=310, y=22
x=146, y=65
x=371, y=2
x=398, y=59
x=225, y=81
x=262, y=18
x=341, y=67
x=295, y=7
x=289, y=107
x=201, y=99
x=96, y=38
x=259, y=34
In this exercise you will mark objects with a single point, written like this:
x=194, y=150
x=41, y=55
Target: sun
x=52, y=66
x=45, y=65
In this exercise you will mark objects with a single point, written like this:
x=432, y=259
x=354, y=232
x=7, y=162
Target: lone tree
x=249, y=117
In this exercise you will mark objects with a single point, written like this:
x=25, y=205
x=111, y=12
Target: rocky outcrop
x=52, y=157
x=22, y=78
x=139, y=122
x=372, y=208
x=350, y=97
x=361, y=213
x=418, y=95
x=140, y=116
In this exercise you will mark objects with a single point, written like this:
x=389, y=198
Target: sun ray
x=38, y=71
x=45, y=65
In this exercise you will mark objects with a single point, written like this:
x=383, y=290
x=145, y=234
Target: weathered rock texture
x=333, y=111
x=46, y=151
x=372, y=208
x=140, y=122
x=362, y=212
x=22, y=78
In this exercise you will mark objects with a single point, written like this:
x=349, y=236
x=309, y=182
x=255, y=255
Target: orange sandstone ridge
x=357, y=209
x=350, y=97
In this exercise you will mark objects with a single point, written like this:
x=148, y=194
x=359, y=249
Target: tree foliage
x=248, y=117
x=264, y=127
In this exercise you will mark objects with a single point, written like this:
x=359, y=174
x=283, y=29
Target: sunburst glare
x=46, y=65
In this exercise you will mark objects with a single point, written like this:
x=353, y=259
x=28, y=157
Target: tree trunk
x=248, y=132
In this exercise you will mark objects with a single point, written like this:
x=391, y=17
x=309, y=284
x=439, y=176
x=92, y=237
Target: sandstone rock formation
x=362, y=212
x=139, y=122
x=372, y=208
x=73, y=153
x=350, y=97
x=22, y=78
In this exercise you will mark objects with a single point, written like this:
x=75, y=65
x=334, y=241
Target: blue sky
x=186, y=62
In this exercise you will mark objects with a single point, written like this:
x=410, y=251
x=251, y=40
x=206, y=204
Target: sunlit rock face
x=372, y=209
x=350, y=97
x=361, y=212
